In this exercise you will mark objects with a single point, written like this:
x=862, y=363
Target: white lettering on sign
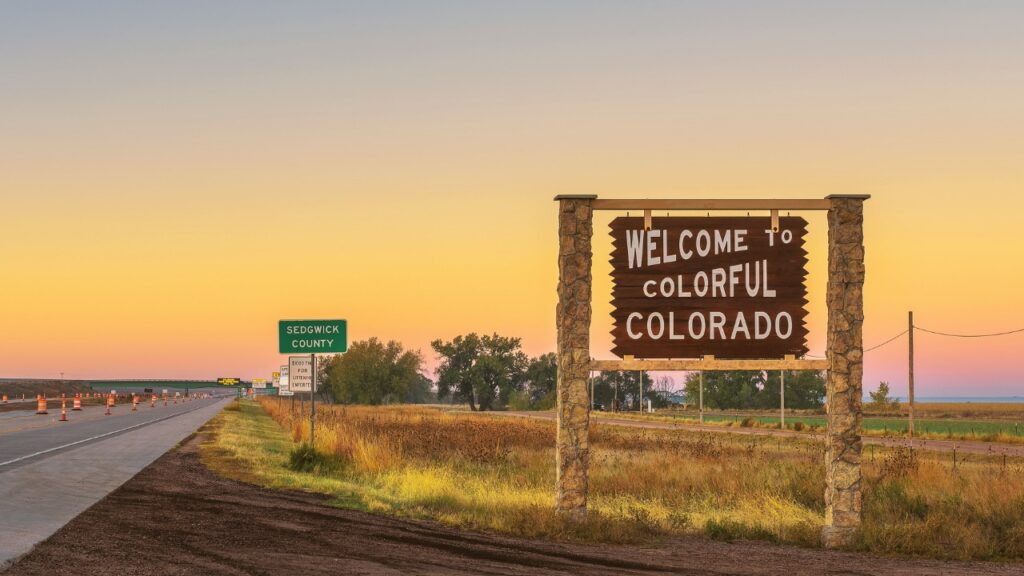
x=300, y=374
x=654, y=247
x=750, y=278
x=691, y=286
x=315, y=329
x=711, y=325
x=318, y=343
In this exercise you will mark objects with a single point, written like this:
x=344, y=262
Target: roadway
x=50, y=471
x=961, y=446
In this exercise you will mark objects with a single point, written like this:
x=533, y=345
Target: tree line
x=491, y=372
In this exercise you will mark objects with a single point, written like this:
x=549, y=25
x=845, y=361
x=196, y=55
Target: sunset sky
x=175, y=178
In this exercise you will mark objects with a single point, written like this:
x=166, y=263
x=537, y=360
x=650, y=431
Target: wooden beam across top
x=712, y=204
x=709, y=364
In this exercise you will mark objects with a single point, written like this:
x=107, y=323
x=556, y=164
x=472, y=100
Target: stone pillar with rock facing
x=845, y=349
x=575, y=228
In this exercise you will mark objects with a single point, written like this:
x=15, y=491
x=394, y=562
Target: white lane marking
x=90, y=439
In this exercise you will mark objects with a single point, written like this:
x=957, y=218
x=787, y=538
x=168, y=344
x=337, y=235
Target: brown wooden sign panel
x=699, y=286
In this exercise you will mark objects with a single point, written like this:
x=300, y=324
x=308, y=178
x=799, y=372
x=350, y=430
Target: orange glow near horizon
x=168, y=197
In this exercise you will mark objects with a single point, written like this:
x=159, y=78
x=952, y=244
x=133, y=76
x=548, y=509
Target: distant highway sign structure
x=229, y=381
x=312, y=336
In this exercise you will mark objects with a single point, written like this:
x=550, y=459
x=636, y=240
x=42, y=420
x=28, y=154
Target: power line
x=877, y=346
x=937, y=333
x=887, y=341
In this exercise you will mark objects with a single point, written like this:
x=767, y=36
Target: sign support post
x=782, y=399
x=312, y=401
x=845, y=351
x=641, y=391
x=701, y=396
x=572, y=445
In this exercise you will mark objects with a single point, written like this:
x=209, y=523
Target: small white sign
x=259, y=383
x=300, y=373
x=283, y=387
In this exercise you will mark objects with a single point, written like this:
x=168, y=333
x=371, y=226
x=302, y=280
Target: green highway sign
x=312, y=336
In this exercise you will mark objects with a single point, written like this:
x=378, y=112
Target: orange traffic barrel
x=41, y=404
x=63, y=409
x=77, y=405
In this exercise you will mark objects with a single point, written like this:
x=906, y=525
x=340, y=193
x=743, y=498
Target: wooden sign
x=698, y=286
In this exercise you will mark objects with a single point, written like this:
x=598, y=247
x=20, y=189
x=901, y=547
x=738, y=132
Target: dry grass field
x=496, y=474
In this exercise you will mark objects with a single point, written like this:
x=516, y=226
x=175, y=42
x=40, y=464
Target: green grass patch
x=953, y=429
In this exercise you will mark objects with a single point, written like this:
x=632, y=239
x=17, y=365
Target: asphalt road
x=961, y=446
x=50, y=471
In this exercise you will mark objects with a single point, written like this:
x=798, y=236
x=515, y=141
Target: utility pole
x=782, y=399
x=910, y=398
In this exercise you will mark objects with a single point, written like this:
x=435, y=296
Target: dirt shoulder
x=177, y=517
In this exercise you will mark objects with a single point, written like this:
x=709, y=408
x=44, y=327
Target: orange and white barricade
x=41, y=404
x=77, y=404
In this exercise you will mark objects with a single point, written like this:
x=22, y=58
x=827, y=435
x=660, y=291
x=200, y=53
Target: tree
x=724, y=389
x=660, y=392
x=482, y=371
x=617, y=387
x=880, y=399
x=805, y=389
x=421, y=391
x=372, y=372
x=541, y=380
x=739, y=389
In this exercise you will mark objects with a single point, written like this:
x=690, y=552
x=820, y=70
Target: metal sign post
x=312, y=400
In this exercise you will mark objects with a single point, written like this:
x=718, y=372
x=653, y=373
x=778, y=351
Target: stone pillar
x=845, y=352
x=575, y=228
